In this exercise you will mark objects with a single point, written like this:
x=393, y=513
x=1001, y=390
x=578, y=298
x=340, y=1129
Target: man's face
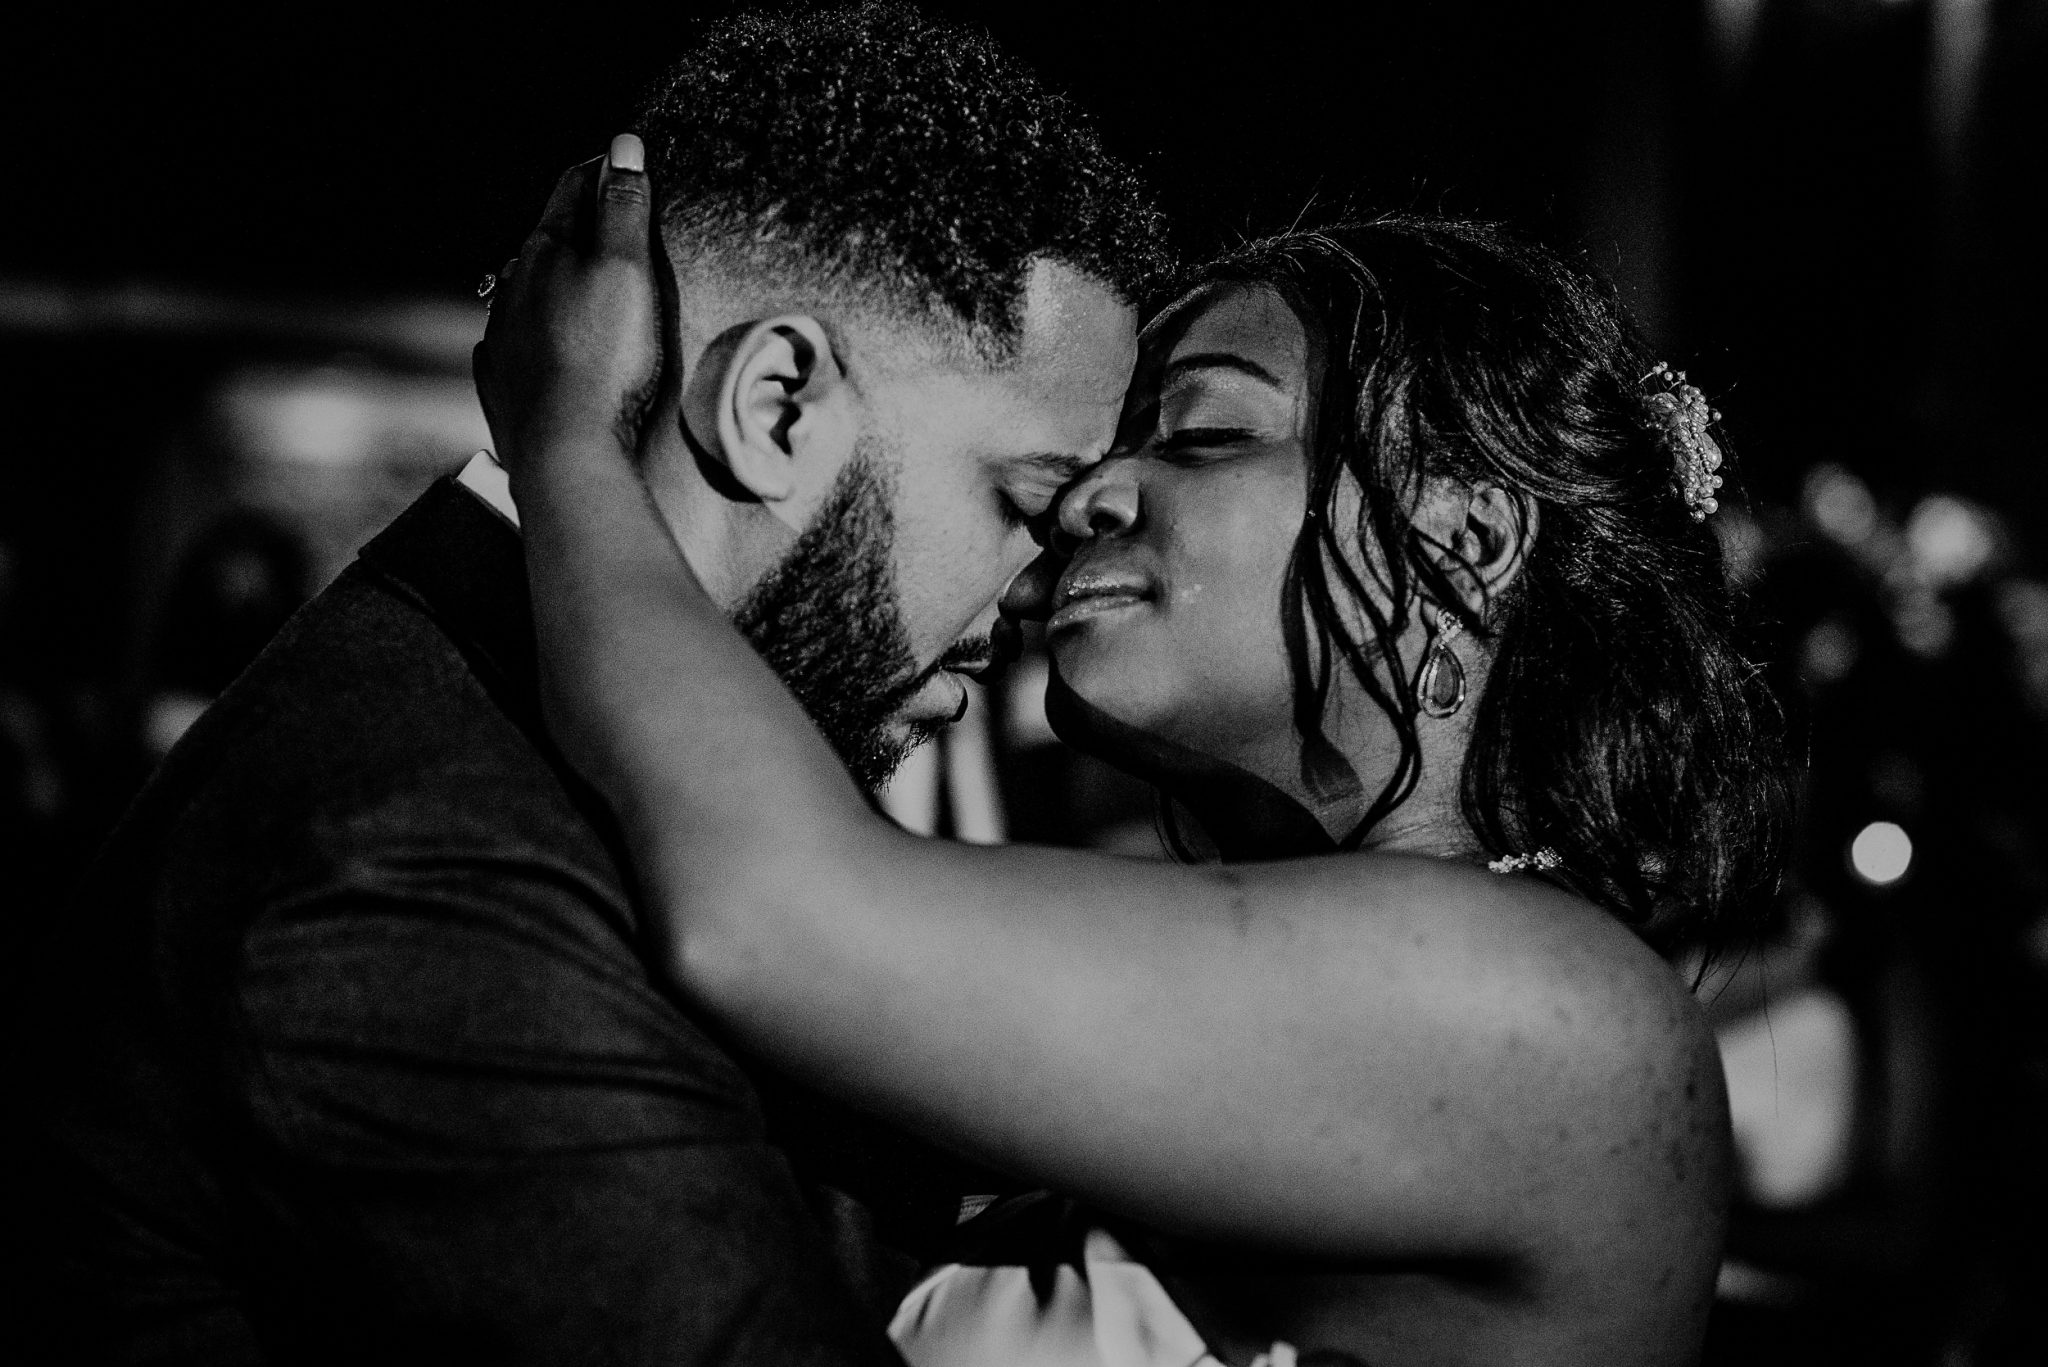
x=966, y=464
x=829, y=621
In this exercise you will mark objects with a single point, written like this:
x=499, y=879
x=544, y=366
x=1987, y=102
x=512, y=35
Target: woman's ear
x=1500, y=528
x=771, y=396
x=1486, y=532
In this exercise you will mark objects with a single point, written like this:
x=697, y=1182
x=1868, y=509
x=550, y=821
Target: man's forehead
x=1077, y=341
x=1057, y=395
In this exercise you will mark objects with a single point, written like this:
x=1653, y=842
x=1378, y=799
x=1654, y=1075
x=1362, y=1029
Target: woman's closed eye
x=1191, y=444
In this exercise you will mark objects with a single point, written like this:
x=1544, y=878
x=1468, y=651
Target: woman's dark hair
x=1620, y=725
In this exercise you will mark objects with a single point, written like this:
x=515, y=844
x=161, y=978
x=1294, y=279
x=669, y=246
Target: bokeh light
x=1881, y=853
x=1952, y=541
x=1829, y=654
x=1840, y=504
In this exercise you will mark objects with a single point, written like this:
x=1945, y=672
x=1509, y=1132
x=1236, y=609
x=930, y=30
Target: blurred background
x=236, y=274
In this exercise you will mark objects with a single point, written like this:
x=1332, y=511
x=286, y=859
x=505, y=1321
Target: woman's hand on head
x=572, y=355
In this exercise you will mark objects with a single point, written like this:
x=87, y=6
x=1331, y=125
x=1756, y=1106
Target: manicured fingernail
x=627, y=153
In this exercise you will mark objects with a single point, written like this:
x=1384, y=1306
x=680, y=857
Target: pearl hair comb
x=1686, y=416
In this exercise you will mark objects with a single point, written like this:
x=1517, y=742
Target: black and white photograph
x=907, y=682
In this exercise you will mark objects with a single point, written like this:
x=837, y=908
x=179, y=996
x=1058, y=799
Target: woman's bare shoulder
x=1594, y=1061
x=1636, y=1137
x=1590, y=1102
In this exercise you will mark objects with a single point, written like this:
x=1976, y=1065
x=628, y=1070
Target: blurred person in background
x=346, y=1051
x=1395, y=582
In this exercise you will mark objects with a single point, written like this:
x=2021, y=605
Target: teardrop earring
x=1440, y=687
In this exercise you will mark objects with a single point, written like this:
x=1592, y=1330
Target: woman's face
x=1168, y=617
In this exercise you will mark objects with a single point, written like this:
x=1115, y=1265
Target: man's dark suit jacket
x=345, y=1054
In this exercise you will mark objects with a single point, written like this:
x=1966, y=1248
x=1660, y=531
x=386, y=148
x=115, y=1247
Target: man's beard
x=828, y=620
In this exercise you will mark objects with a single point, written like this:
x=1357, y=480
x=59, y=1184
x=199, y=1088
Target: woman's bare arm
x=1360, y=1057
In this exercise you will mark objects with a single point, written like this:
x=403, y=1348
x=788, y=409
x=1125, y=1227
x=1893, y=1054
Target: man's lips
x=940, y=700
x=1084, y=595
x=953, y=689
x=938, y=695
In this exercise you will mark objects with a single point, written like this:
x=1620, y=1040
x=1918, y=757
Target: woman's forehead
x=1232, y=318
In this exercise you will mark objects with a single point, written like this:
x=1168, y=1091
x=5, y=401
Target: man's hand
x=573, y=347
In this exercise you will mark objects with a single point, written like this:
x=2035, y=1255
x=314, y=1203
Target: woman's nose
x=1103, y=502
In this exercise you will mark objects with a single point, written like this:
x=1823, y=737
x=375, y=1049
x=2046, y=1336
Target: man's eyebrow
x=1216, y=360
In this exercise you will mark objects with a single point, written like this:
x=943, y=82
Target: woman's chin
x=1102, y=668
x=1110, y=720
x=1081, y=712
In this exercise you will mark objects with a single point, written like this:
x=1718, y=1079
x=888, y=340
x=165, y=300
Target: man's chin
x=877, y=750
x=909, y=733
x=883, y=751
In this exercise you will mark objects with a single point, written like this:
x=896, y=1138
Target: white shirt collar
x=485, y=478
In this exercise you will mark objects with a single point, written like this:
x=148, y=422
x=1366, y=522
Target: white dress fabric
x=1109, y=1312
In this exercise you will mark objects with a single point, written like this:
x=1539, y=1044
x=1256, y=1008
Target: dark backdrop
x=1822, y=208
x=1784, y=210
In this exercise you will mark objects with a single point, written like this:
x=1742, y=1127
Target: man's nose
x=1103, y=502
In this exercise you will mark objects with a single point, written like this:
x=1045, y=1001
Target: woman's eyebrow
x=1216, y=360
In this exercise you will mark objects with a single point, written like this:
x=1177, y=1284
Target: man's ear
x=770, y=400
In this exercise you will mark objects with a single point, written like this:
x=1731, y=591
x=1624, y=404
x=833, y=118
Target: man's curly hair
x=879, y=151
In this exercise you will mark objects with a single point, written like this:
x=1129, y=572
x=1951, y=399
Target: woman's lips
x=1088, y=609
x=1085, y=597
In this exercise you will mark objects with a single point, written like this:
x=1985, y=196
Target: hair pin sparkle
x=1686, y=415
x=1542, y=861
